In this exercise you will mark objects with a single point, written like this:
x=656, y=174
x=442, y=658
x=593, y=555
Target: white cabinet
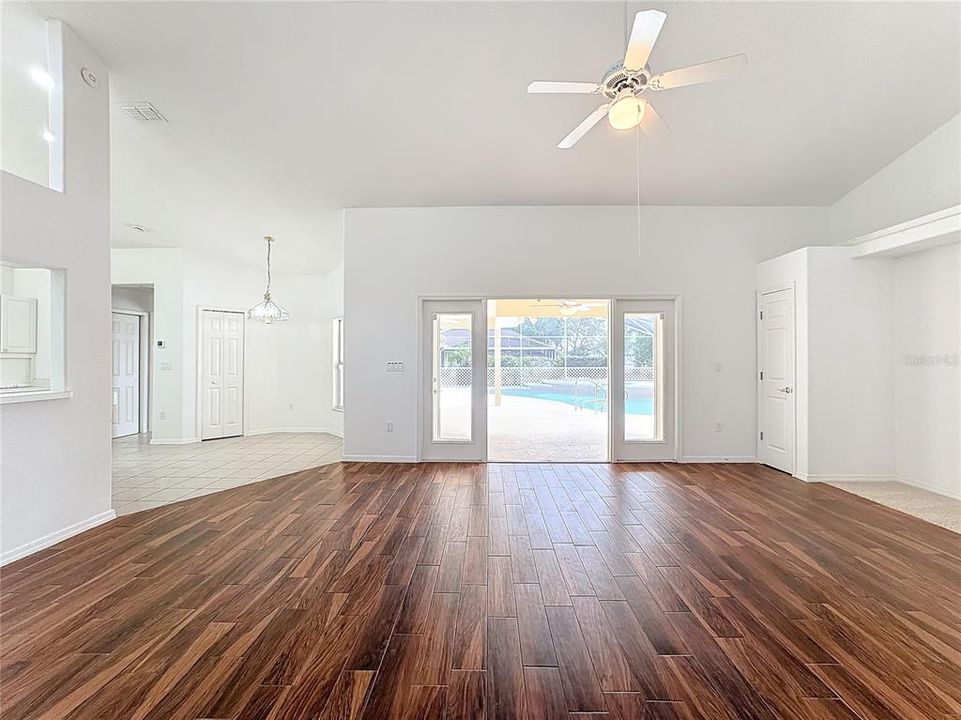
x=18, y=324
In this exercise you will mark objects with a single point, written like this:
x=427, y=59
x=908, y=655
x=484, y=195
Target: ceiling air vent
x=142, y=112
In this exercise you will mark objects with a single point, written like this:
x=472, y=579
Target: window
x=31, y=329
x=337, y=338
x=31, y=117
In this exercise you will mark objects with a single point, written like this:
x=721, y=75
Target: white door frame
x=676, y=298
x=476, y=449
x=759, y=389
x=143, y=348
x=146, y=366
x=200, y=367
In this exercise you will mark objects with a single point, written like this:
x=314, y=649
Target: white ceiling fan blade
x=653, y=126
x=647, y=26
x=581, y=130
x=722, y=69
x=550, y=86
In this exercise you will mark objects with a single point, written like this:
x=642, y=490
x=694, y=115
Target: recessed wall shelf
x=928, y=231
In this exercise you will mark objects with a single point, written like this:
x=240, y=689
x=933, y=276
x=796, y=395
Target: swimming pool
x=634, y=405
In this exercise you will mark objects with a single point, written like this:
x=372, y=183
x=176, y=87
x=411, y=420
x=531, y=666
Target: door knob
x=785, y=389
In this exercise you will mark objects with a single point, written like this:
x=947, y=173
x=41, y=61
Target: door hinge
x=762, y=374
x=762, y=314
x=762, y=434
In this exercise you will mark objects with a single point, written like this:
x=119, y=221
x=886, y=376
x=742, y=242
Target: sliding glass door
x=642, y=394
x=454, y=380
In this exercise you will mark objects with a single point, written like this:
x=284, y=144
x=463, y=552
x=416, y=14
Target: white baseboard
x=174, y=441
x=806, y=477
x=55, y=537
x=718, y=459
x=936, y=489
x=380, y=458
x=268, y=431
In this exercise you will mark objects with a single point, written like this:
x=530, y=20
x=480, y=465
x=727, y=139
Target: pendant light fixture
x=267, y=311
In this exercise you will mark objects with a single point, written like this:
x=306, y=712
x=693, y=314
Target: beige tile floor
x=147, y=476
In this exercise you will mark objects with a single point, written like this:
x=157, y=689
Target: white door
x=222, y=374
x=126, y=374
x=775, y=361
x=454, y=380
x=642, y=390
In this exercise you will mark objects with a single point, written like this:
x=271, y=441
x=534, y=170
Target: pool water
x=634, y=406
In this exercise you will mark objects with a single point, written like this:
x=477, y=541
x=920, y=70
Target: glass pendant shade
x=267, y=311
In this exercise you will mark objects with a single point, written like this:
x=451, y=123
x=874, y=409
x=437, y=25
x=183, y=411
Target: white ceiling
x=283, y=113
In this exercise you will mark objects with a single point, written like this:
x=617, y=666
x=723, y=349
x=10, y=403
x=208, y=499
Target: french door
x=222, y=374
x=454, y=380
x=643, y=381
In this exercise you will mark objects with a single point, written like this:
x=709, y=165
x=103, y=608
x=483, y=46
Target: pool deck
x=524, y=429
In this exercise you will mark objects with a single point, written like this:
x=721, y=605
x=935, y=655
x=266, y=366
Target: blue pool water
x=635, y=406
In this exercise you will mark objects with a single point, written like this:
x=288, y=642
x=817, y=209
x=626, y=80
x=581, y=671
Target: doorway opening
x=132, y=308
x=547, y=380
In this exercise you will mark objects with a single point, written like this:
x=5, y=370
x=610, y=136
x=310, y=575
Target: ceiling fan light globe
x=626, y=113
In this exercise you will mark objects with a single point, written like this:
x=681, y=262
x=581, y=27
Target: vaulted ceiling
x=280, y=114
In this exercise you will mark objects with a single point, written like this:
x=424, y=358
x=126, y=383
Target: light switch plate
x=395, y=366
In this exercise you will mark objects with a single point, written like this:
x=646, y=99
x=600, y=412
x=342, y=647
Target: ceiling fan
x=570, y=307
x=625, y=83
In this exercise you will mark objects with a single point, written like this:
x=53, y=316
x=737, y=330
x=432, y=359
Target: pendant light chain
x=637, y=180
x=269, y=241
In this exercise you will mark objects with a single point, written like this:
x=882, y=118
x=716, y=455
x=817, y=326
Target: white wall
x=851, y=362
x=845, y=355
x=162, y=269
x=707, y=255
x=287, y=364
x=926, y=305
x=925, y=179
x=55, y=465
x=135, y=299
x=927, y=331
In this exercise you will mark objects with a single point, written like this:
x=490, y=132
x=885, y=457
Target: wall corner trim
x=53, y=538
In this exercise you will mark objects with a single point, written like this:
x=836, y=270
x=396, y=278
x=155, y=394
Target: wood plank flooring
x=466, y=592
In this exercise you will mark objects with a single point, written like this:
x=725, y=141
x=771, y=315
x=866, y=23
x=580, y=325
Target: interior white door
x=222, y=374
x=454, y=380
x=126, y=374
x=643, y=381
x=776, y=374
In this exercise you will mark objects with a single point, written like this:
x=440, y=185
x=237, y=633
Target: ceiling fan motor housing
x=619, y=78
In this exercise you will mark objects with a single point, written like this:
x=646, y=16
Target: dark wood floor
x=503, y=591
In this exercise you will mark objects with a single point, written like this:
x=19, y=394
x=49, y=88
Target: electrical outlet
x=163, y=414
x=390, y=426
x=290, y=406
x=717, y=427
